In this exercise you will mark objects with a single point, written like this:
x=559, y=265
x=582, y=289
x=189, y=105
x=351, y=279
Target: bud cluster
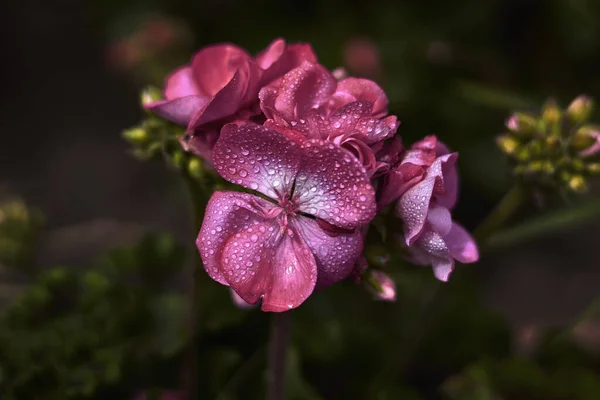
x=155, y=136
x=558, y=149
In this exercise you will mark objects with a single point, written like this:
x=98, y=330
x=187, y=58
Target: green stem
x=505, y=209
x=278, y=349
x=198, y=200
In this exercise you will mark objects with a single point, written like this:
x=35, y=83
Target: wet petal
x=271, y=54
x=398, y=181
x=332, y=185
x=228, y=213
x=239, y=302
x=440, y=219
x=362, y=152
x=335, y=252
x=443, y=170
x=257, y=158
x=434, y=246
x=180, y=111
x=225, y=103
x=413, y=207
x=461, y=244
x=302, y=89
x=181, y=83
x=359, y=89
x=275, y=266
x=214, y=66
x=450, y=174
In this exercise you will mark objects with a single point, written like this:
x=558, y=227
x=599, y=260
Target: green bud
x=583, y=139
x=136, y=135
x=593, y=168
x=548, y=168
x=178, y=158
x=551, y=112
x=195, y=168
x=523, y=154
x=577, y=184
x=577, y=165
x=507, y=144
x=150, y=95
x=521, y=125
x=580, y=109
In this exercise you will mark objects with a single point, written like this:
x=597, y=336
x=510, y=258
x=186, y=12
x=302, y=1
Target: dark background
x=456, y=69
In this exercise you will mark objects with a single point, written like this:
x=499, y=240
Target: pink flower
x=305, y=234
x=426, y=184
x=309, y=103
x=221, y=85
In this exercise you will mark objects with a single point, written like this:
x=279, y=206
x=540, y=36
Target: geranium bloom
x=309, y=103
x=221, y=84
x=306, y=235
x=426, y=183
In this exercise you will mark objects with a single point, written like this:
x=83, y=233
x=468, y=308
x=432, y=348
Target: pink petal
x=336, y=253
x=224, y=104
x=228, y=213
x=440, y=219
x=238, y=301
x=433, y=245
x=271, y=54
x=398, y=181
x=276, y=266
x=450, y=174
x=181, y=83
x=332, y=185
x=180, y=111
x=257, y=158
x=214, y=66
x=594, y=148
x=413, y=207
x=442, y=268
x=302, y=89
x=359, y=89
x=363, y=154
x=461, y=244
x=443, y=170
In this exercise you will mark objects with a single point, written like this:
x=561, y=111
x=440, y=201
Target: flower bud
x=150, y=95
x=551, y=113
x=577, y=184
x=195, y=168
x=580, y=109
x=381, y=285
x=136, y=135
x=583, y=138
x=593, y=168
x=521, y=124
x=507, y=144
x=178, y=158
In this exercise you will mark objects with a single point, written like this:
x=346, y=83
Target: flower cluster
x=318, y=157
x=557, y=149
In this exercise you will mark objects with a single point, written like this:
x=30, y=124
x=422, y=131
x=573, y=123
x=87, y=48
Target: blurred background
x=84, y=323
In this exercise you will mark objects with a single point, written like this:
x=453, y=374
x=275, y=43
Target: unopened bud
x=551, y=112
x=178, y=158
x=577, y=184
x=593, y=168
x=523, y=154
x=507, y=144
x=584, y=138
x=150, y=95
x=136, y=135
x=195, y=168
x=381, y=285
x=521, y=124
x=580, y=109
x=577, y=165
